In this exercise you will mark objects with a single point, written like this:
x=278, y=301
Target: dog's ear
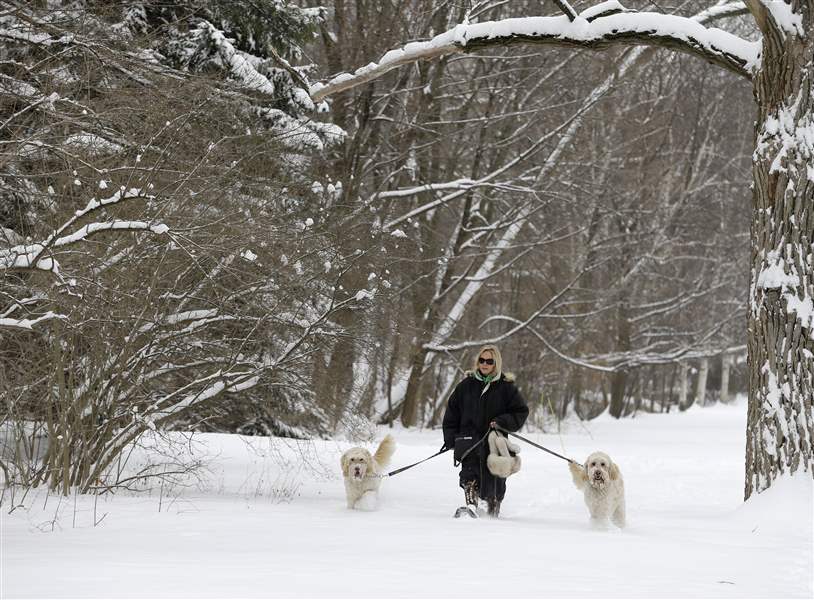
x=345, y=462
x=614, y=471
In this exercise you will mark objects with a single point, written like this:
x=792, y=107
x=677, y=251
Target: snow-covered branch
x=28, y=323
x=602, y=31
x=31, y=256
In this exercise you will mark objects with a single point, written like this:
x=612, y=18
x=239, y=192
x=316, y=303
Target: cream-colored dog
x=601, y=483
x=363, y=472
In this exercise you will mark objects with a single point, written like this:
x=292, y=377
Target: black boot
x=471, y=497
x=493, y=507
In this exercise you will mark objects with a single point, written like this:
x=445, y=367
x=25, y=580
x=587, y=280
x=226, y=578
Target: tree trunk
x=781, y=370
x=726, y=362
x=670, y=390
x=619, y=378
x=701, y=384
x=682, y=394
x=638, y=392
x=409, y=410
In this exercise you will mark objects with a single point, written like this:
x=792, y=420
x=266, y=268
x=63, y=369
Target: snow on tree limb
x=28, y=323
x=31, y=256
x=784, y=18
x=618, y=28
x=237, y=63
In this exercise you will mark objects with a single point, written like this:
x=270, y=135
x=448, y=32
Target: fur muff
x=500, y=461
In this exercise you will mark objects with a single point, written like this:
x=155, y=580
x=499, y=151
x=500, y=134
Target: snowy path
x=689, y=534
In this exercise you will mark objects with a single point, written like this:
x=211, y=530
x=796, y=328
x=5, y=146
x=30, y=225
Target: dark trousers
x=473, y=468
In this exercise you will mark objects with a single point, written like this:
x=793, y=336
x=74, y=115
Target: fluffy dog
x=601, y=483
x=362, y=472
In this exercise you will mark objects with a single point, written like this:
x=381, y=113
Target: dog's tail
x=385, y=451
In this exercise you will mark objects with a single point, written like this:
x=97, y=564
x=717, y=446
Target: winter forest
x=300, y=219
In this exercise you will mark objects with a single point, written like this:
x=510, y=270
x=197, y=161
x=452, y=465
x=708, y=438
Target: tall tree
x=780, y=428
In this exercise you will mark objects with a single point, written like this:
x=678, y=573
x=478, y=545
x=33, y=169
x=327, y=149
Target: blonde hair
x=498, y=359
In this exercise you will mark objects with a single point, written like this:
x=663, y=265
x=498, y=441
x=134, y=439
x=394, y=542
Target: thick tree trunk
x=781, y=347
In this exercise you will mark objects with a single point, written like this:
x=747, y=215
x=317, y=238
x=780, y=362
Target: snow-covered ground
x=268, y=519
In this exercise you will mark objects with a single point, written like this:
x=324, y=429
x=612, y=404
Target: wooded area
x=194, y=236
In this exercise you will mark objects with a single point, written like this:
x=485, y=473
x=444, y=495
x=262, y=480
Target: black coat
x=470, y=414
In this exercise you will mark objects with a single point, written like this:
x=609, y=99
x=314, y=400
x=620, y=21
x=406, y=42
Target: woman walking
x=485, y=398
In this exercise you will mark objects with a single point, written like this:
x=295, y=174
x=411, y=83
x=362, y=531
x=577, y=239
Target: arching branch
x=566, y=9
x=597, y=28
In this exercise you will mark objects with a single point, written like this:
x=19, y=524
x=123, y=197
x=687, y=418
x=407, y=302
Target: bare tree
x=780, y=426
x=168, y=264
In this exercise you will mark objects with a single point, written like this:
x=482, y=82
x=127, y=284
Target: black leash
x=397, y=471
x=475, y=445
x=441, y=451
x=520, y=437
x=478, y=443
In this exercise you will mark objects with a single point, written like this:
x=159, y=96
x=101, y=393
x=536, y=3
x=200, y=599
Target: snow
x=652, y=25
x=268, y=519
x=364, y=295
x=785, y=17
x=773, y=275
x=239, y=63
x=600, y=8
x=93, y=143
x=28, y=323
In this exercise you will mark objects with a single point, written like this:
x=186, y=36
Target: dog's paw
x=368, y=502
x=600, y=524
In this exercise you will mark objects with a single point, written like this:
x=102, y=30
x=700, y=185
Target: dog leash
x=520, y=437
x=397, y=471
x=475, y=445
x=441, y=451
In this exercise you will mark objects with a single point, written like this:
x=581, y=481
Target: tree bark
x=726, y=363
x=701, y=384
x=619, y=378
x=781, y=369
x=683, y=383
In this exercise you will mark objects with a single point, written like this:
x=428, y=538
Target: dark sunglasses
x=486, y=361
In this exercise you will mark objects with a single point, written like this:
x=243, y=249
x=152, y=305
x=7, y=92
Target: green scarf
x=484, y=379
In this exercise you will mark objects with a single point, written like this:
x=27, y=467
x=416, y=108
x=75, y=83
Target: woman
x=485, y=398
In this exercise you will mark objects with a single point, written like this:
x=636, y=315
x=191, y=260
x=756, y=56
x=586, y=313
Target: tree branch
x=606, y=29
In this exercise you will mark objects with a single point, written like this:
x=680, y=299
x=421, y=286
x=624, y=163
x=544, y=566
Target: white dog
x=601, y=483
x=362, y=472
